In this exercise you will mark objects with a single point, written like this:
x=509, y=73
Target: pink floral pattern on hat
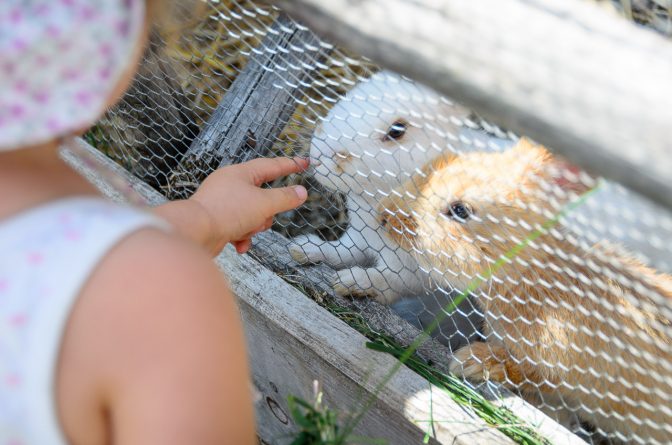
x=59, y=62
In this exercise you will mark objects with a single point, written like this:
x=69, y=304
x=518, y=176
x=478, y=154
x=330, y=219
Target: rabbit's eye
x=396, y=130
x=461, y=211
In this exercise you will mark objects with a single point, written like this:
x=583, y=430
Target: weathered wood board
x=273, y=79
x=295, y=341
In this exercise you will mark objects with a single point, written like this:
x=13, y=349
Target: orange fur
x=492, y=362
x=591, y=326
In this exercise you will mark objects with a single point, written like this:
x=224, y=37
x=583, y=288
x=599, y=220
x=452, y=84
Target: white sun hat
x=60, y=60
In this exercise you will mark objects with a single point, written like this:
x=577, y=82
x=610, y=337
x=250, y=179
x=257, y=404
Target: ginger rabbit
x=586, y=324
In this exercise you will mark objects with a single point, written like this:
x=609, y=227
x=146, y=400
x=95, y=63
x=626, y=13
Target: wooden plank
x=296, y=341
x=589, y=85
x=252, y=114
x=293, y=341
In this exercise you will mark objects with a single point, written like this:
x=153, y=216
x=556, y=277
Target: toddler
x=115, y=325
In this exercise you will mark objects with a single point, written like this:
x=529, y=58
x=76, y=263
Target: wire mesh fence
x=548, y=280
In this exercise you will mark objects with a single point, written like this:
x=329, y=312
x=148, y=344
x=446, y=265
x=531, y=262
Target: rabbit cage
x=541, y=279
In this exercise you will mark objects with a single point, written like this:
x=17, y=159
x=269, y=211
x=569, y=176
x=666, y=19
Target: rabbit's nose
x=385, y=214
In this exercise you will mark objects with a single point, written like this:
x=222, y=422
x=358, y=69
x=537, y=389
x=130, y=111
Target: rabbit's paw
x=478, y=362
x=300, y=254
x=354, y=282
x=304, y=250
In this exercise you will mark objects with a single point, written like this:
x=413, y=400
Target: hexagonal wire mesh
x=414, y=200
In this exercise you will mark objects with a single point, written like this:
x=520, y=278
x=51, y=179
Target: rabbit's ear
x=523, y=162
x=555, y=170
x=421, y=182
x=569, y=177
x=438, y=163
x=534, y=154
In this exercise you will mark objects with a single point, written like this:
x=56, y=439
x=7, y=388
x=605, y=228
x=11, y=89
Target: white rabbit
x=369, y=143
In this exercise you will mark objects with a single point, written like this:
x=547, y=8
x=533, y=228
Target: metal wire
x=414, y=200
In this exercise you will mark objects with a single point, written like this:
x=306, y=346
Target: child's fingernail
x=305, y=159
x=301, y=192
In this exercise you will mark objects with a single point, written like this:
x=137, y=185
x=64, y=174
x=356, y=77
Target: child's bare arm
x=231, y=207
x=154, y=349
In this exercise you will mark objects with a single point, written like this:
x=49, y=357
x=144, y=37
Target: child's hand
x=237, y=207
x=230, y=206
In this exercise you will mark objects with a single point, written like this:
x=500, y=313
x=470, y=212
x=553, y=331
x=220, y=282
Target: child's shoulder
x=119, y=311
x=154, y=319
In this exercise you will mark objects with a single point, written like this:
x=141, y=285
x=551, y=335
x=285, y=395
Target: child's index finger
x=281, y=199
x=268, y=169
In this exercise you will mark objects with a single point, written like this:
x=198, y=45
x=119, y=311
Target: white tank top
x=46, y=255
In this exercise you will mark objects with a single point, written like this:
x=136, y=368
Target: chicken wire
x=413, y=200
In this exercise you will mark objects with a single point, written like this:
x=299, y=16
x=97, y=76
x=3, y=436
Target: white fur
x=355, y=127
